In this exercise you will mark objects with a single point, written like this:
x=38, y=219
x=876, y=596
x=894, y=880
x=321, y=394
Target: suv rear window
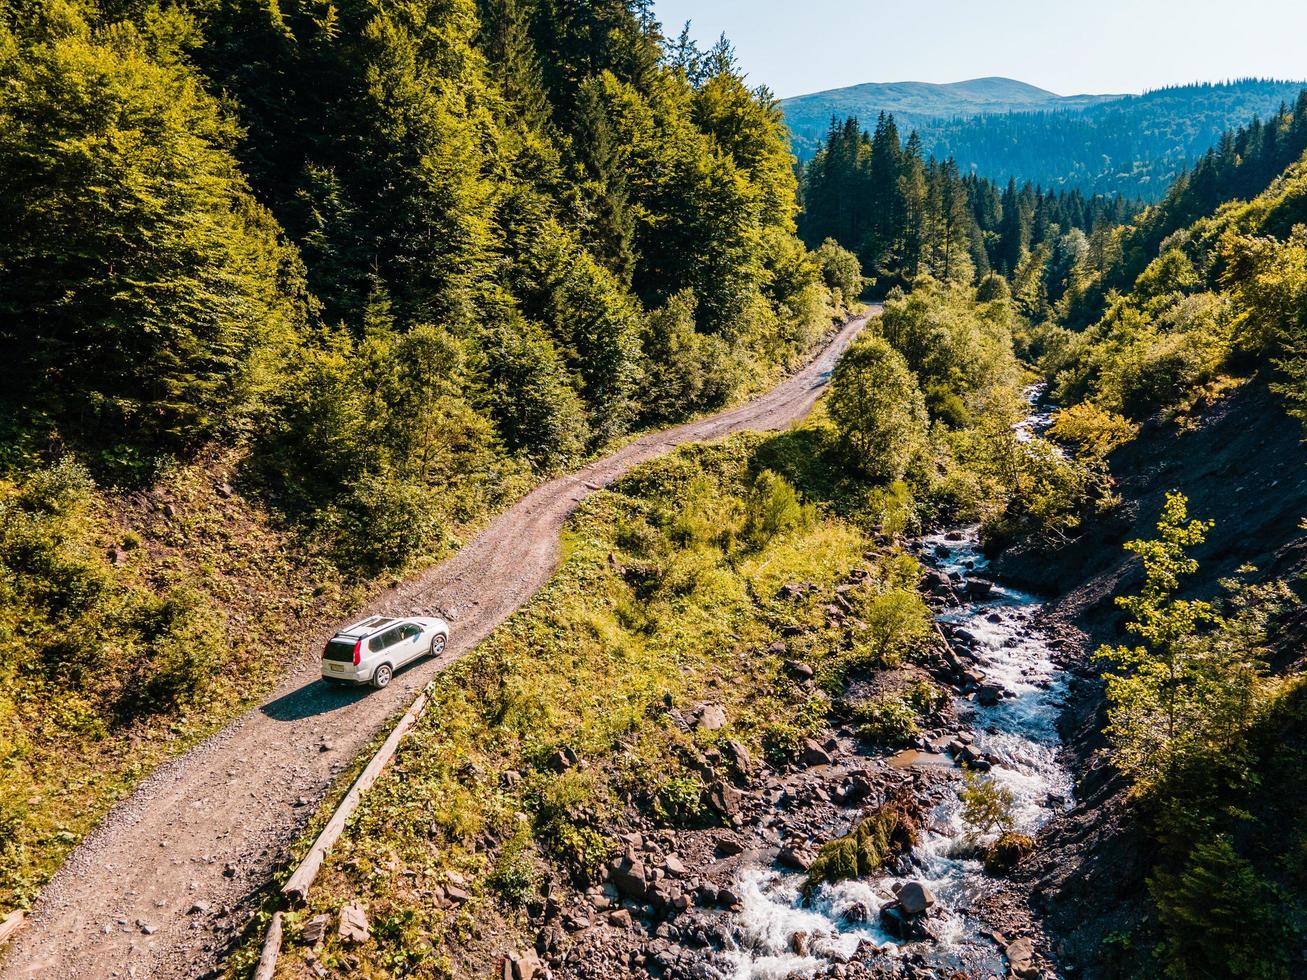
x=341, y=650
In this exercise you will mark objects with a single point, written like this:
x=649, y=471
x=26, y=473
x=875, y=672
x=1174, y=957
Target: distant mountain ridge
x=915, y=103
x=1001, y=127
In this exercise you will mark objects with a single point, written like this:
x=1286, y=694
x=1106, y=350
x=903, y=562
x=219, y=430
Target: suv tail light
x=358, y=656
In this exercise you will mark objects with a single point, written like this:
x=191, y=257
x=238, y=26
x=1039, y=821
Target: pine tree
x=611, y=225
x=506, y=39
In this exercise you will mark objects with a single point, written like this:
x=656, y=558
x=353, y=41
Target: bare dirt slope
x=158, y=889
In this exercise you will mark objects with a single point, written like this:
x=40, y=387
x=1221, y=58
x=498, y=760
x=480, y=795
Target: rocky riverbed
x=730, y=903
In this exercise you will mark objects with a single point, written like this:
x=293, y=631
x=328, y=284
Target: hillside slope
x=1243, y=466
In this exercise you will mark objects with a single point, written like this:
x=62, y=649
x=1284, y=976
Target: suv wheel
x=382, y=676
x=438, y=644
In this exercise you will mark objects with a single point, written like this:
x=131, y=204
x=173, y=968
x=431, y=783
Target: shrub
x=986, y=805
x=1094, y=431
x=679, y=800
x=898, y=620
x=781, y=739
x=1220, y=917
x=568, y=809
x=183, y=640
x=773, y=507
x=515, y=875
x=841, y=270
x=926, y=697
x=1009, y=850
x=886, y=719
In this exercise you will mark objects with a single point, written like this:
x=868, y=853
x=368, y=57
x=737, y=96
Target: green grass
x=667, y=595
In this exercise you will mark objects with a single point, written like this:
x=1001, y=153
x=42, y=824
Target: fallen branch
x=297, y=886
x=9, y=927
x=267, y=967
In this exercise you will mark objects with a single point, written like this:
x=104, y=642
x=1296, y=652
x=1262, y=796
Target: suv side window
x=410, y=630
x=386, y=639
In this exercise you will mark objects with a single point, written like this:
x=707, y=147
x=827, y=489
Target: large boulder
x=522, y=965
x=709, y=717
x=1021, y=958
x=723, y=798
x=741, y=761
x=630, y=877
x=936, y=582
x=900, y=925
x=915, y=898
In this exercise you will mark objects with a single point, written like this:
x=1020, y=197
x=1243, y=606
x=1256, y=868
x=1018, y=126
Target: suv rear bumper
x=345, y=673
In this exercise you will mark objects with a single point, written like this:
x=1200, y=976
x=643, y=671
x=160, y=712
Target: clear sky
x=1098, y=46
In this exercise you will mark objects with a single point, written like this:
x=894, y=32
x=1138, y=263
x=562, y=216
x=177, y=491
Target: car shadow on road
x=314, y=698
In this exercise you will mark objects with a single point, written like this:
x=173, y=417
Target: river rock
x=729, y=898
x=978, y=588
x=936, y=582
x=989, y=695
x=814, y=754
x=796, y=856
x=900, y=925
x=1021, y=957
x=915, y=898
x=729, y=847
x=799, y=943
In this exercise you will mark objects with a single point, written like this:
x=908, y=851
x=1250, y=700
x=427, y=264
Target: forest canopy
x=434, y=245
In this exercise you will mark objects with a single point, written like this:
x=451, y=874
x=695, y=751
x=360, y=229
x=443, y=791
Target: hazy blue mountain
x=1000, y=128
x=914, y=104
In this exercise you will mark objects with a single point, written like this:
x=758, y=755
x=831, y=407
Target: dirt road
x=158, y=889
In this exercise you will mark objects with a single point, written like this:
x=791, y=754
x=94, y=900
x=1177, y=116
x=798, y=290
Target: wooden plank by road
x=297, y=886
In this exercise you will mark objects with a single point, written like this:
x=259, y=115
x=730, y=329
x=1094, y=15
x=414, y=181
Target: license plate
x=338, y=668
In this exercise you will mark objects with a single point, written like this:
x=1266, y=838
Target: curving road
x=169, y=876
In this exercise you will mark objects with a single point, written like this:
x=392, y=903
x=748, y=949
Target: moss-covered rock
x=1007, y=852
x=882, y=834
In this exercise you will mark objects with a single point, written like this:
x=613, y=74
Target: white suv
x=372, y=650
